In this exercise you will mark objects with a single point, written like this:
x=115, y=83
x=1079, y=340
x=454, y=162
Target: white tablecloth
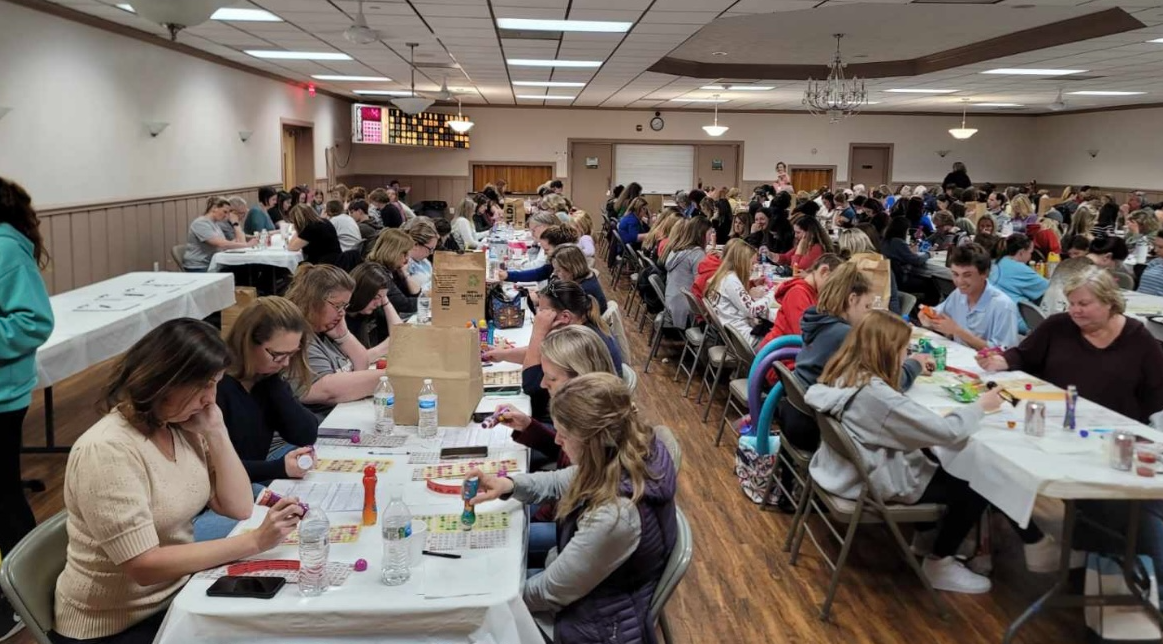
x=1140, y=305
x=287, y=259
x=364, y=609
x=138, y=302
x=1011, y=469
x=936, y=267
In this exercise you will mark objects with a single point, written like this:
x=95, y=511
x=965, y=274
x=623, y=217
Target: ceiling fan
x=359, y=32
x=446, y=94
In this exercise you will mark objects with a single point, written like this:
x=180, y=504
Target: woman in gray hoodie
x=890, y=432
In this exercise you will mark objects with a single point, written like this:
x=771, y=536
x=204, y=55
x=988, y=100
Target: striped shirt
x=1151, y=281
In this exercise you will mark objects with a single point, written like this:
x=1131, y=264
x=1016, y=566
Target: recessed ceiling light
x=538, y=97
x=1033, y=72
x=738, y=88
x=530, y=24
x=1095, y=92
x=351, y=79
x=922, y=91
x=277, y=54
x=547, y=84
x=996, y=105
x=872, y=102
x=534, y=62
x=382, y=92
x=698, y=100
x=229, y=13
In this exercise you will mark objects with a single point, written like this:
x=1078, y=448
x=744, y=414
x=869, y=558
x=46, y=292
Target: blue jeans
x=210, y=525
x=542, y=539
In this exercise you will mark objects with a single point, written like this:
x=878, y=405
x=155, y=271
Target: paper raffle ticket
x=355, y=465
x=336, y=574
x=367, y=439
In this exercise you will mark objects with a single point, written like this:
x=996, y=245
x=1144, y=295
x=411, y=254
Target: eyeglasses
x=431, y=249
x=279, y=356
x=342, y=307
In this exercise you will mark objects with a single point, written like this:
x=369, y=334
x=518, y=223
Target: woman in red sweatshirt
x=798, y=295
x=812, y=241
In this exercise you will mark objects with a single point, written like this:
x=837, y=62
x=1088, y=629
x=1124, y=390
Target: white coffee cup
x=417, y=541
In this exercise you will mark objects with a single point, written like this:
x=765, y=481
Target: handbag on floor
x=755, y=470
x=1118, y=624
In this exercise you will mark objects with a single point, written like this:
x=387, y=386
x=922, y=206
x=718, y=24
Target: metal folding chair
x=868, y=508
x=743, y=353
x=718, y=360
x=672, y=574
x=1031, y=315
x=28, y=575
x=694, y=341
x=790, y=456
x=662, y=320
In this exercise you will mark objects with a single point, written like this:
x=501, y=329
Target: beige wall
x=999, y=152
x=80, y=97
x=1130, y=145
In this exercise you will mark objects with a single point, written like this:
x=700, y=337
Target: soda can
x=1035, y=419
x=1068, y=421
x=1122, y=450
x=926, y=345
x=468, y=517
x=939, y=353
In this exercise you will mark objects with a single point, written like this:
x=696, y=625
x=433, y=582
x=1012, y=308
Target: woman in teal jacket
x=1013, y=275
x=26, y=320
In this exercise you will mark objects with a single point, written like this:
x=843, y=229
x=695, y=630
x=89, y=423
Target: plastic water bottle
x=384, y=402
x=264, y=239
x=396, y=527
x=423, y=308
x=314, y=548
x=427, y=410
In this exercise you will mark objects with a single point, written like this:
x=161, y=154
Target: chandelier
x=838, y=97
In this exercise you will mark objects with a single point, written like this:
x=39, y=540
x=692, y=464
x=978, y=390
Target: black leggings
x=142, y=632
x=963, y=508
x=16, y=519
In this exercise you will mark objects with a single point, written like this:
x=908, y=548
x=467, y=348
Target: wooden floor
x=740, y=587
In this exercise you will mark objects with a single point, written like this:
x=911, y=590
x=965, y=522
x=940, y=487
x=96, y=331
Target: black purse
x=503, y=311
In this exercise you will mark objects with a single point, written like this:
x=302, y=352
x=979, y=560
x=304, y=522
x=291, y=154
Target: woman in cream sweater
x=135, y=481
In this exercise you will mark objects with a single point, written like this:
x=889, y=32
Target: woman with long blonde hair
x=583, y=224
x=861, y=388
x=652, y=243
x=737, y=305
x=1022, y=213
x=616, y=517
x=392, y=250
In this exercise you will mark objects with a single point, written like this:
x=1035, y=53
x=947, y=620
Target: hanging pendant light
x=716, y=129
x=413, y=104
x=460, y=125
x=963, y=132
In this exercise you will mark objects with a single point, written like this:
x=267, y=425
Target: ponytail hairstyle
x=577, y=350
x=16, y=211
x=596, y=411
x=561, y=295
x=215, y=202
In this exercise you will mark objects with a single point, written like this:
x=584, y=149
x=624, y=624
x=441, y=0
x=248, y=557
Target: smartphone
x=478, y=451
x=257, y=587
x=337, y=432
x=508, y=390
x=480, y=416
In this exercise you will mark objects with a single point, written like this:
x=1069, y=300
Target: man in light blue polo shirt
x=977, y=314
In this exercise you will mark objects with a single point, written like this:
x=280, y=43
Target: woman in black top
x=278, y=212
x=315, y=236
x=370, y=315
x=266, y=343
x=391, y=252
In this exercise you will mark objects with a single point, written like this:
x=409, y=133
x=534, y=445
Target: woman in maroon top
x=1113, y=360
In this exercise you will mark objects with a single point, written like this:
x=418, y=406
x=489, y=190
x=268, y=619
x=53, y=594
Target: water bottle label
x=427, y=404
x=406, y=530
x=388, y=401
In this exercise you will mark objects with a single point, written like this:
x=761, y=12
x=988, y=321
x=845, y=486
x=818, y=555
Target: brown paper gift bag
x=878, y=270
x=515, y=212
x=450, y=357
x=458, y=288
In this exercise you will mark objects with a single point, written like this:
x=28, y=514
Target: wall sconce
x=4, y=111
x=245, y=135
x=1093, y=152
x=156, y=127
x=942, y=153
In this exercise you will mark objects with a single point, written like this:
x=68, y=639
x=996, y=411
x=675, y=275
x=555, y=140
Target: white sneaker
x=951, y=575
x=923, y=540
x=981, y=564
x=1043, y=556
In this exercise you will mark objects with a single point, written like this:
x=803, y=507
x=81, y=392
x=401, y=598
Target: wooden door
x=812, y=179
x=521, y=179
x=591, y=167
x=288, y=158
x=869, y=164
x=717, y=165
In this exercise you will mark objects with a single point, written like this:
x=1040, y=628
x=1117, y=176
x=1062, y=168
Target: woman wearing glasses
x=266, y=346
x=338, y=362
x=425, y=240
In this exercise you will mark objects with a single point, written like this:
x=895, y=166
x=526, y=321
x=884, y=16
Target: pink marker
x=495, y=418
